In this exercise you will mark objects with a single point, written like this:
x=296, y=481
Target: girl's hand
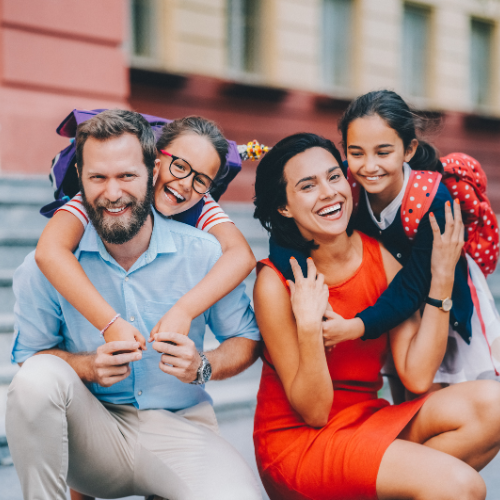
x=174, y=320
x=447, y=247
x=337, y=329
x=122, y=330
x=308, y=296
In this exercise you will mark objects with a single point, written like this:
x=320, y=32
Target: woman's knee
x=485, y=400
x=465, y=484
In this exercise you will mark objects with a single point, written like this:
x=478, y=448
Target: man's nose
x=113, y=190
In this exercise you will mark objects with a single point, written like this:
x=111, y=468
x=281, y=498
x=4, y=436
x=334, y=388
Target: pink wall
x=55, y=55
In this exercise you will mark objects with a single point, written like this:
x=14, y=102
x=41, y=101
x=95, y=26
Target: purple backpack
x=65, y=180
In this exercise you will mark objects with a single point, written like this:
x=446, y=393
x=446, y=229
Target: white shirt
x=388, y=215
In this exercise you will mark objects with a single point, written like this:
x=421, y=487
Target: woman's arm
x=229, y=271
x=294, y=340
x=418, y=347
x=54, y=256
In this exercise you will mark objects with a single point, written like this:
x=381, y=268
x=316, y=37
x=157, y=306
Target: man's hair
x=115, y=123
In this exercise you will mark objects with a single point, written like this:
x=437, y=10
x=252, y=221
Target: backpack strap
x=419, y=195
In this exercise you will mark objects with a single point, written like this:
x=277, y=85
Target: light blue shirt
x=178, y=257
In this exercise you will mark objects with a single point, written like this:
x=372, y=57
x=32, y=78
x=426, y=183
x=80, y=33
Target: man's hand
x=122, y=330
x=107, y=367
x=174, y=320
x=336, y=329
x=181, y=359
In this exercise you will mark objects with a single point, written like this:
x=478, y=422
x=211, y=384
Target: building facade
x=261, y=68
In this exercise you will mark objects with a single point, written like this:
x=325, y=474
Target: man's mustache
x=105, y=204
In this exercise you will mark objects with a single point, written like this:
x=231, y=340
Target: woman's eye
x=383, y=153
x=334, y=177
x=306, y=187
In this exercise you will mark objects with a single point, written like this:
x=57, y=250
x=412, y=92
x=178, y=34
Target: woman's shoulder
x=269, y=278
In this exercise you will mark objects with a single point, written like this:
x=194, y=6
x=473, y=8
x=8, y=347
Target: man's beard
x=115, y=230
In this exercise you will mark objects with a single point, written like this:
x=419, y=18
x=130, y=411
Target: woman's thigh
x=412, y=471
x=462, y=420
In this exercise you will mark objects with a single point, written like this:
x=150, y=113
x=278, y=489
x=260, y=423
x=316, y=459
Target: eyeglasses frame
x=192, y=171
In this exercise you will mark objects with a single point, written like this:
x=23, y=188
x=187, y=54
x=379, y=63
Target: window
x=415, y=50
x=337, y=42
x=480, y=62
x=243, y=36
x=143, y=28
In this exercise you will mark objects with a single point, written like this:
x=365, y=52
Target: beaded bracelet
x=109, y=324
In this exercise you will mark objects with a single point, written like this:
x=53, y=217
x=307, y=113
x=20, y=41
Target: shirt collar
x=389, y=213
x=161, y=240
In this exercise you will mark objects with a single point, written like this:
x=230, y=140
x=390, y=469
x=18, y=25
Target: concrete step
x=6, y=277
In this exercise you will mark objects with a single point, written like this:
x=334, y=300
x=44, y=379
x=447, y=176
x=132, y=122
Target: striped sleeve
x=211, y=215
x=75, y=207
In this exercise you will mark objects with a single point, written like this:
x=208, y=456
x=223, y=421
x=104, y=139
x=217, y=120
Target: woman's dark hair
x=397, y=114
x=202, y=127
x=270, y=188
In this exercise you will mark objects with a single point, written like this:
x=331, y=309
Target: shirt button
x=140, y=393
x=132, y=318
x=126, y=278
x=398, y=255
x=456, y=323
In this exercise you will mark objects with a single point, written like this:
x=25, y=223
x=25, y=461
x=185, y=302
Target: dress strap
x=267, y=262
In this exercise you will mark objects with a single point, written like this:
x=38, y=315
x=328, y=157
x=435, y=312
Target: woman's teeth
x=374, y=178
x=329, y=210
x=176, y=194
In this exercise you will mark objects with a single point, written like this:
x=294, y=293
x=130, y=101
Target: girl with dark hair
x=191, y=153
x=320, y=431
x=380, y=141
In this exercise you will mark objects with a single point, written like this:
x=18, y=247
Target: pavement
x=234, y=399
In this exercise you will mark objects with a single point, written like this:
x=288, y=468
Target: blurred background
x=262, y=69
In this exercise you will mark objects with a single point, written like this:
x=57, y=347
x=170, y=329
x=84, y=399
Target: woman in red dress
x=320, y=430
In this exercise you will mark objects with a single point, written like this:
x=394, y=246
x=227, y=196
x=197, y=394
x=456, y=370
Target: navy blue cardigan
x=410, y=287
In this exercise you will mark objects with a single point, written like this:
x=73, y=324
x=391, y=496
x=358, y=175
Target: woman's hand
x=308, y=296
x=447, y=247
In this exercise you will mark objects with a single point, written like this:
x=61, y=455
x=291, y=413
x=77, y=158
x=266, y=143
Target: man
x=104, y=418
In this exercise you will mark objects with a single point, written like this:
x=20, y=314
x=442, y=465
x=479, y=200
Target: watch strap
x=434, y=302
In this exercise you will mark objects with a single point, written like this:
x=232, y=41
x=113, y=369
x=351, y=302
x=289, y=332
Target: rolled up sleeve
x=37, y=313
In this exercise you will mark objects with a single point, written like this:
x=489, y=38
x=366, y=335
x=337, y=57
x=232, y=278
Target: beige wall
x=192, y=38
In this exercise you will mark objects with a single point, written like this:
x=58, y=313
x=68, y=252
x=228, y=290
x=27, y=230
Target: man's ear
x=156, y=171
x=411, y=150
x=285, y=213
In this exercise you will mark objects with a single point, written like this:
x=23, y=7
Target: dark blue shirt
x=410, y=287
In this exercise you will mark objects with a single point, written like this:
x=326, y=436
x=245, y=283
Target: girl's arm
x=405, y=294
x=54, y=256
x=229, y=271
x=291, y=329
x=418, y=346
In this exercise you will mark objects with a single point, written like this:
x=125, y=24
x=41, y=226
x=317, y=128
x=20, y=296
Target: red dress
x=341, y=460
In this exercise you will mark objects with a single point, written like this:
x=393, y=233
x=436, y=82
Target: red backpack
x=465, y=180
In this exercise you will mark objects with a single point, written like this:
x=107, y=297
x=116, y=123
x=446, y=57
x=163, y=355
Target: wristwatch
x=445, y=304
x=204, y=371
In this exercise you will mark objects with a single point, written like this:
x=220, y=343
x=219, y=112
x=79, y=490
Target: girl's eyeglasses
x=181, y=169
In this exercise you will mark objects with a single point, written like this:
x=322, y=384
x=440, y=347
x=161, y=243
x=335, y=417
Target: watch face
x=207, y=372
x=447, y=304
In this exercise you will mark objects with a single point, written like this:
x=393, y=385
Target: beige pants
x=60, y=434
